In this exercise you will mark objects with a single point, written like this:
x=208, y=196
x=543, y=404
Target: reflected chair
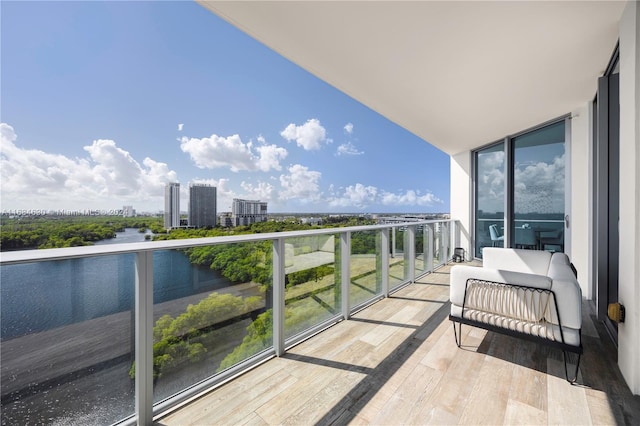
x=526, y=238
x=496, y=239
x=553, y=242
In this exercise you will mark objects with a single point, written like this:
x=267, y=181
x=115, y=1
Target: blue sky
x=102, y=103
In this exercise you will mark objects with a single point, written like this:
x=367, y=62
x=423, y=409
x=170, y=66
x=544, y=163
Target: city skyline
x=103, y=103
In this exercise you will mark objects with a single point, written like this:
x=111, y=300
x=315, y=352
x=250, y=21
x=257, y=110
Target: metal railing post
x=393, y=242
x=410, y=260
x=278, y=295
x=384, y=260
x=429, y=252
x=345, y=266
x=144, y=338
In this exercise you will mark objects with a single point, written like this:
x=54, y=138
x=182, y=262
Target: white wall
x=579, y=170
x=629, y=225
x=461, y=197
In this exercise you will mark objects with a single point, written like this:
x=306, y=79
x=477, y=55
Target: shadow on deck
x=396, y=362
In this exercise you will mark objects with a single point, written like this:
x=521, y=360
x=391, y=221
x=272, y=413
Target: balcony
x=393, y=360
x=396, y=363
x=122, y=333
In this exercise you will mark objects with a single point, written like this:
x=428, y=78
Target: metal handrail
x=27, y=256
x=145, y=408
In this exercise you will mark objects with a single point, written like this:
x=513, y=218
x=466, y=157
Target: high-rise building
x=128, y=211
x=246, y=212
x=172, y=205
x=202, y=206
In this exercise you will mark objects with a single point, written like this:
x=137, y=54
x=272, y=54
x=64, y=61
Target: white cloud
x=539, y=187
x=361, y=196
x=180, y=127
x=409, y=198
x=263, y=191
x=269, y=157
x=220, y=152
x=348, y=128
x=37, y=179
x=309, y=136
x=491, y=182
x=348, y=149
x=301, y=184
x=356, y=195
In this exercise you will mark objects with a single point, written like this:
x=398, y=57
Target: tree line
x=44, y=232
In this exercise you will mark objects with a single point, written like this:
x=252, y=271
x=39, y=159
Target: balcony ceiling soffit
x=457, y=74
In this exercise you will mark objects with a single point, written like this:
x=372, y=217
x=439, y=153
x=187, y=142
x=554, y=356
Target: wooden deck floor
x=397, y=363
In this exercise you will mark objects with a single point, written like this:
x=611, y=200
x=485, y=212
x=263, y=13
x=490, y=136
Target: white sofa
x=527, y=293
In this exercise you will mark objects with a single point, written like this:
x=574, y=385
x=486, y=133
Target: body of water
x=44, y=295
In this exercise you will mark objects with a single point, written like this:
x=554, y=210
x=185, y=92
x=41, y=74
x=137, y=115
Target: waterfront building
x=225, y=219
x=128, y=211
x=246, y=212
x=172, y=205
x=202, y=206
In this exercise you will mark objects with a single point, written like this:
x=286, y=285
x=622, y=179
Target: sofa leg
x=457, y=335
x=573, y=379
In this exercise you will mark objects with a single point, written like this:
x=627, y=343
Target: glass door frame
x=605, y=193
x=509, y=173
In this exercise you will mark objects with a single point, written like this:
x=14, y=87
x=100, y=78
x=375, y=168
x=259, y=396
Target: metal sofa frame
x=529, y=293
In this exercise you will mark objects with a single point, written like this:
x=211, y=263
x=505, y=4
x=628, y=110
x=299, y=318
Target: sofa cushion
x=560, y=258
x=518, y=260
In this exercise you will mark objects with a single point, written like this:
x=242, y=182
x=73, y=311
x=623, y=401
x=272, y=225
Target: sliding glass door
x=489, y=195
x=538, y=189
x=520, y=191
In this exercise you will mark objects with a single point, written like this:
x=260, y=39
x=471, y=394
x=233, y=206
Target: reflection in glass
x=365, y=264
x=490, y=201
x=67, y=341
x=539, y=183
x=421, y=250
x=210, y=311
x=398, y=260
x=312, y=289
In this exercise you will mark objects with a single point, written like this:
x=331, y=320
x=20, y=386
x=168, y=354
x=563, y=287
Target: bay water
x=44, y=295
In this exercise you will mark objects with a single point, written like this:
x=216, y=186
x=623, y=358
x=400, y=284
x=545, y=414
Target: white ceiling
x=457, y=74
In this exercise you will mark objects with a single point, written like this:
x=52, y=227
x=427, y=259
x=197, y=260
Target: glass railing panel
x=312, y=286
x=212, y=309
x=438, y=244
x=366, y=267
x=398, y=262
x=421, y=244
x=67, y=340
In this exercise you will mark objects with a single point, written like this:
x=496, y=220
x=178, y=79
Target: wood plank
x=565, y=401
x=408, y=397
x=303, y=390
x=397, y=362
x=487, y=402
x=529, y=382
x=319, y=406
x=519, y=413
